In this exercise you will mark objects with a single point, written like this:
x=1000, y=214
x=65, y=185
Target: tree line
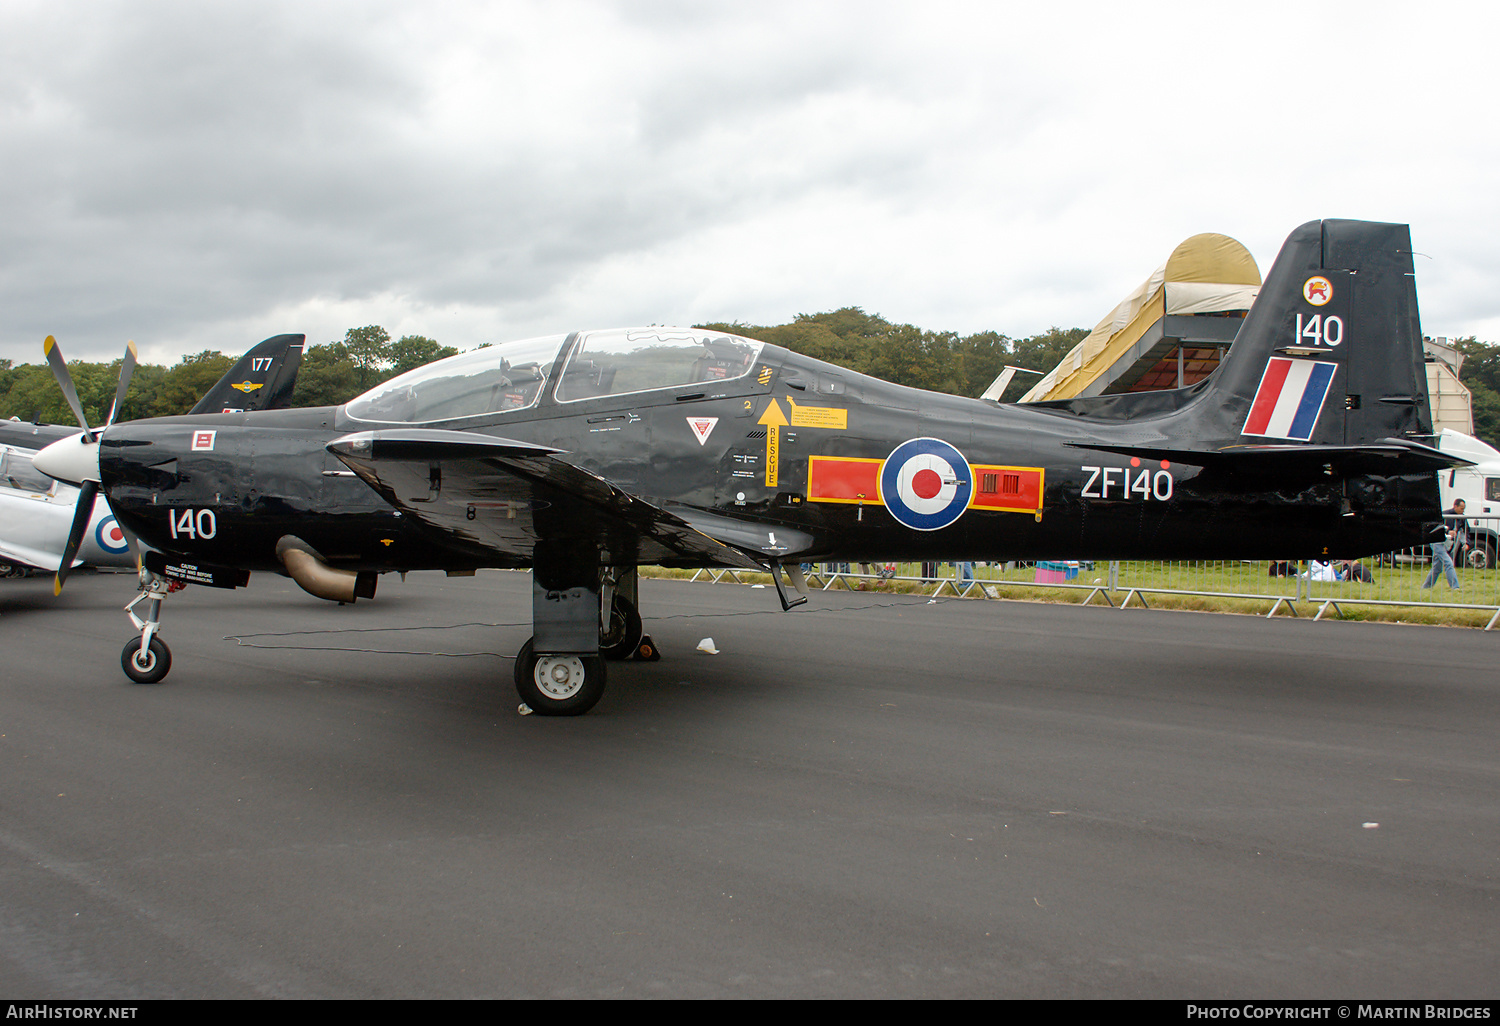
x=332, y=373
x=1481, y=376
x=940, y=361
x=335, y=372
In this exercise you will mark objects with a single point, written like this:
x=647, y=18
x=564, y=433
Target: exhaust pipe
x=317, y=578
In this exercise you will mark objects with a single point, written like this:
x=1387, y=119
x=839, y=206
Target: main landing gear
x=560, y=684
x=620, y=631
x=146, y=660
x=581, y=616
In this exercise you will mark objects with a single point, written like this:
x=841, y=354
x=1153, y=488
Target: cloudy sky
x=202, y=175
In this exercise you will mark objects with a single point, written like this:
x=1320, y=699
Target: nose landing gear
x=146, y=660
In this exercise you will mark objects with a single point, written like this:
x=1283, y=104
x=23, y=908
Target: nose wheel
x=146, y=664
x=147, y=659
x=558, y=684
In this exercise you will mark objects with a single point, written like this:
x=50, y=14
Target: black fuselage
x=797, y=444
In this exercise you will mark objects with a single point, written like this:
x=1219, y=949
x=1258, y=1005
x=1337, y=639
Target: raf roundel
x=926, y=484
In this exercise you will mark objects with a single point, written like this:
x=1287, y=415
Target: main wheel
x=622, y=635
x=558, y=685
x=150, y=668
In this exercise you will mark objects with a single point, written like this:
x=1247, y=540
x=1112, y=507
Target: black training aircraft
x=586, y=455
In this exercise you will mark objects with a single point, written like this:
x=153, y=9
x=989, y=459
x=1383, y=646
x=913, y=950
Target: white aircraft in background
x=37, y=513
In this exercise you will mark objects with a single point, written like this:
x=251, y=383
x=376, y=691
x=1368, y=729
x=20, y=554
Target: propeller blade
x=127, y=368
x=81, y=514
x=65, y=382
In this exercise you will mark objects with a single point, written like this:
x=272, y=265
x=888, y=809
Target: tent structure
x=1168, y=333
x=1451, y=401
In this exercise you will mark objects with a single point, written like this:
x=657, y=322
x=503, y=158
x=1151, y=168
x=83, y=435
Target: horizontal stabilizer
x=1388, y=456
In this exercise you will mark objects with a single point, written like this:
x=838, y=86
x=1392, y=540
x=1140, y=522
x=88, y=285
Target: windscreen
x=494, y=379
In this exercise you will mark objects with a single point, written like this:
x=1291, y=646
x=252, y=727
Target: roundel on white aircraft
x=110, y=537
x=926, y=484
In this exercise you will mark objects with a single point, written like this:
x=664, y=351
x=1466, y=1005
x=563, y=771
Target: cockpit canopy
x=16, y=472
x=489, y=380
x=515, y=376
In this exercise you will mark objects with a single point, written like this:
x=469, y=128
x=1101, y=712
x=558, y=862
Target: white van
x=1479, y=487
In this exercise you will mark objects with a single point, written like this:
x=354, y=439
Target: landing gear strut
x=147, y=660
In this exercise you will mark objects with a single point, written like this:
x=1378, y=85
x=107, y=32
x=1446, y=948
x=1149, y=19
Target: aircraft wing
x=497, y=497
x=27, y=556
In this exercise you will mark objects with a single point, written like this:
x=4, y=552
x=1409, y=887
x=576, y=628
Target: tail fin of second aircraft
x=262, y=380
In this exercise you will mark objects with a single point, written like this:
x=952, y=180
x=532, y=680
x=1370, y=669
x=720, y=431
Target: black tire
x=558, y=685
x=622, y=636
x=1482, y=556
x=150, y=670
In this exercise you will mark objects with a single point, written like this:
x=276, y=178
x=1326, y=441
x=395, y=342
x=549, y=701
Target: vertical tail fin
x=1331, y=351
x=262, y=380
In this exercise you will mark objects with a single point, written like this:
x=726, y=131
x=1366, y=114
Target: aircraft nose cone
x=73, y=459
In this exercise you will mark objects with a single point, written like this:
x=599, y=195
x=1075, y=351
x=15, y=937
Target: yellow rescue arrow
x=774, y=420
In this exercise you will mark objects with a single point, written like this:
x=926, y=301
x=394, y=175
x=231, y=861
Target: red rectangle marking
x=1014, y=489
x=843, y=479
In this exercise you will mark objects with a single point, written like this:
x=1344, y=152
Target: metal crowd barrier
x=1286, y=586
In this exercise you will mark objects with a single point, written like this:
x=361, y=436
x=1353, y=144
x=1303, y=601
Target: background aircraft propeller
x=81, y=467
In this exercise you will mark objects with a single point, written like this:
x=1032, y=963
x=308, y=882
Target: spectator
x=1352, y=570
x=1442, y=560
x=1459, y=525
